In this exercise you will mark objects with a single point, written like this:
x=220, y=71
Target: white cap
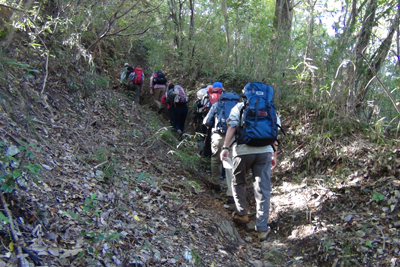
x=126, y=64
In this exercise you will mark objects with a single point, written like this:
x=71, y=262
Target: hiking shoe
x=216, y=187
x=230, y=200
x=240, y=218
x=160, y=110
x=262, y=236
x=180, y=134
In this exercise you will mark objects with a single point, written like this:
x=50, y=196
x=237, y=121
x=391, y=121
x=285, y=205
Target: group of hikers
x=238, y=136
x=164, y=94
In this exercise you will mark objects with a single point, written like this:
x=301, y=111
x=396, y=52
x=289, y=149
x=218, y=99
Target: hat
x=217, y=85
x=126, y=64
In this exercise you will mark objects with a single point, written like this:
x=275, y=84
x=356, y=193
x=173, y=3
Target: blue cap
x=217, y=85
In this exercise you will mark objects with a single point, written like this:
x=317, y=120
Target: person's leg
x=229, y=177
x=171, y=112
x=157, y=94
x=183, y=118
x=136, y=90
x=262, y=189
x=178, y=114
x=240, y=166
x=217, y=141
x=207, y=144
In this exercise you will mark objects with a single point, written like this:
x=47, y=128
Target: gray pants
x=260, y=164
x=135, y=88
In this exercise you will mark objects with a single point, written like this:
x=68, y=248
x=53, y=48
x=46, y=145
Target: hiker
x=216, y=118
x=158, y=87
x=176, y=97
x=201, y=108
x=133, y=79
x=255, y=150
x=170, y=108
x=124, y=75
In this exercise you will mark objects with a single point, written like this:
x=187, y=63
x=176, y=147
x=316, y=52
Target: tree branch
x=22, y=262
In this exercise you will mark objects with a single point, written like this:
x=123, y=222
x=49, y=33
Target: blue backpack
x=225, y=104
x=258, y=120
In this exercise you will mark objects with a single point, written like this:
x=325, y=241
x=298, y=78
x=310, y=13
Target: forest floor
x=116, y=188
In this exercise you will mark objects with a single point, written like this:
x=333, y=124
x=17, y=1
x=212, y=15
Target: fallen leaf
x=69, y=253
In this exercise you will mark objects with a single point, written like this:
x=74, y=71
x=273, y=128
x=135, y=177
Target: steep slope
x=101, y=181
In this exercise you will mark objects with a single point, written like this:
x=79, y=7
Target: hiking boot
x=180, y=133
x=216, y=187
x=240, y=218
x=262, y=236
x=160, y=110
x=230, y=200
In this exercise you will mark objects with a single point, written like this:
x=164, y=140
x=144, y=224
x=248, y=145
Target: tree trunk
x=362, y=42
x=377, y=60
x=282, y=25
x=226, y=22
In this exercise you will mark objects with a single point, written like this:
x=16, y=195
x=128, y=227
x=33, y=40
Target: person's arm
x=275, y=146
x=151, y=85
x=230, y=134
x=209, y=118
x=274, y=155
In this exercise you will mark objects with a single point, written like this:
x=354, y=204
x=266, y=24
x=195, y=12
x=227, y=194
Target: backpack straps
x=257, y=110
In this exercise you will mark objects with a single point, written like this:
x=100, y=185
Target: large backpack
x=258, y=120
x=202, y=102
x=159, y=78
x=176, y=95
x=136, y=76
x=214, y=94
x=225, y=104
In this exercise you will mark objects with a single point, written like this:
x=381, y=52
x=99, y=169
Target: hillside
x=100, y=181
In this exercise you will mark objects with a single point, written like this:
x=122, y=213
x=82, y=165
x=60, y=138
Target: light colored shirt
x=243, y=149
x=210, y=118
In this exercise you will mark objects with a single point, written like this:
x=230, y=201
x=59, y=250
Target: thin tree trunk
x=363, y=39
x=282, y=24
x=226, y=22
x=378, y=59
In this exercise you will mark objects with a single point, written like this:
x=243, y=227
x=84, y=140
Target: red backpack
x=136, y=76
x=214, y=94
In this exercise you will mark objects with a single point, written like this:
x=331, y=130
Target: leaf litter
x=110, y=194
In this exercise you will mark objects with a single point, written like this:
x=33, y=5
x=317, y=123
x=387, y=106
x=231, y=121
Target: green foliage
x=145, y=176
x=3, y=220
x=377, y=196
x=196, y=257
x=90, y=202
x=327, y=243
x=16, y=164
